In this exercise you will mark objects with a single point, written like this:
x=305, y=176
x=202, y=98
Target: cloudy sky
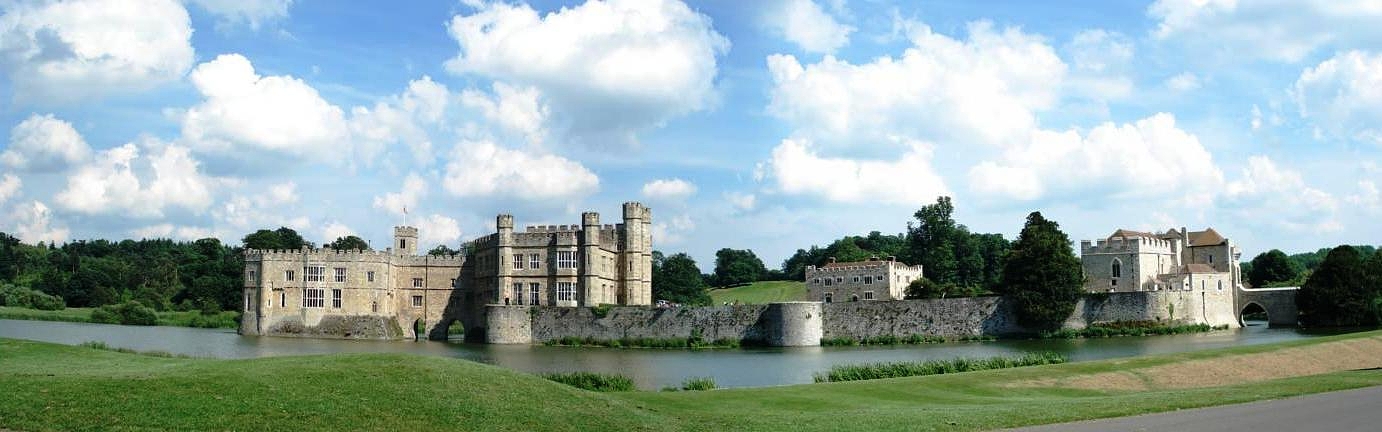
x=762, y=125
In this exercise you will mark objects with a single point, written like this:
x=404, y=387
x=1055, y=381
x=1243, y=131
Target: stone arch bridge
x=1279, y=303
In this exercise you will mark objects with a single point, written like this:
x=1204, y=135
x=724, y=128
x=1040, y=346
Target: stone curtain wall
x=805, y=323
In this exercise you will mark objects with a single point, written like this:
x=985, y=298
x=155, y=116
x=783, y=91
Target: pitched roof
x=1197, y=268
x=1208, y=237
x=1130, y=233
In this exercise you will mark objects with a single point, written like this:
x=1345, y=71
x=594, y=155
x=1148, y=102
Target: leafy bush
x=698, y=383
x=17, y=296
x=934, y=367
x=693, y=342
x=1129, y=328
x=127, y=313
x=593, y=381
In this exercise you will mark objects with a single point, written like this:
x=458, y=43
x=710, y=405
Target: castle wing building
x=1129, y=261
x=875, y=279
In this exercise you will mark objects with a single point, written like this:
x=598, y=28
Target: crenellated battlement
x=876, y=265
x=1128, y=245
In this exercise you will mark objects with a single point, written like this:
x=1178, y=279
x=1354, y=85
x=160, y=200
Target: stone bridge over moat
x=1278, y=303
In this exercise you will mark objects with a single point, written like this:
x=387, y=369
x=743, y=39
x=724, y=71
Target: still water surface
x=650, y=368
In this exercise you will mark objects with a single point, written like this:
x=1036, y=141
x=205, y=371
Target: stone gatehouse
x=391, y=293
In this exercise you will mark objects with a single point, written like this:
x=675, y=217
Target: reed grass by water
x=593, y=381
x=870, y=371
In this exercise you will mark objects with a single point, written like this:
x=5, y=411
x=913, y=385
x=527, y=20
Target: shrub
x=601, y=310
x=698, y=383
x=593, y=381
x=933, y=367
x=127, y=313
x=17, y=296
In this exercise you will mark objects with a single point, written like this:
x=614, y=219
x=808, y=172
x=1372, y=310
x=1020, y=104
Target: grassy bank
x=871, y=371
x=760, y=293
x=55, y=387
x=660, y=343
x=1130, y=328
x=166, y=318
x=915, y=339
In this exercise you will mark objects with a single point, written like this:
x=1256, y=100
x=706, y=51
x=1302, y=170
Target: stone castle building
x=1175, y=260
x=395, y=292
x=874, y=279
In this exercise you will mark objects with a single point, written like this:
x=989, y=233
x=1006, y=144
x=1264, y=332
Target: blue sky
x=768, y=125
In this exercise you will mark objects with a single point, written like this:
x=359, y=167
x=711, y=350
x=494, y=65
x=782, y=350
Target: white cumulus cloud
x=907, y=178
x=9, y=187
x=33, y=222
x=481, y=168
x=436, y=230
x=669, y=189
x=1150, y=157
x=1343, y=95
x=516, y=109
x=1279, y=197
x=608, y=69
x=414, y=188
x=73, y=50
x=244, y=112
x=804, y=23
x=401, y=119
x=111, y=184
x=984, y=89
x=44, y=143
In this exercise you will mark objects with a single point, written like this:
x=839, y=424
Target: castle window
x=288, y=275
x=827, y=281
x=816, y=281
x=369, y=276
x=534, y=288
x=856, y=279
x=247, y=302
x=534, y=262
x=1113, y=282
x=566, y=291
x=282, y=299
x=518, y=292
x=312, y=298
x=1221, y=285
x=1211, y=258
x=313, y=274
x=1117, y=270
x=249, y=277
x=417, y=301
x=402, y=244
x=518, y=261
x=566, y=259
x=417, y=282
x=868, y=280
x=340, y=274
x=1202, y=284
x=868, y=295
x=374, y=307
x=336, y=298
x=829, y=297
x=839, y=279
x=854, y=298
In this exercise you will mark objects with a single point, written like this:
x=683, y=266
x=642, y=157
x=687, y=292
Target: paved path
x=1349, y=410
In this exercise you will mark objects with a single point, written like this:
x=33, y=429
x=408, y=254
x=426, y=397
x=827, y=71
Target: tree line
x=160, y=274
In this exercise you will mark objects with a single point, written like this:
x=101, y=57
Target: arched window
x=1117, y=270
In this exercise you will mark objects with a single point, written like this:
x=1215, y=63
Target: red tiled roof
x=1208, y=237
x=1197, y=268
x=1130, y=233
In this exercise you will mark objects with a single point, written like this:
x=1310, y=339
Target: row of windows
x=830, y=297
x=565, y=260
x=313, y=298
x=317, y=274
x=867, y=280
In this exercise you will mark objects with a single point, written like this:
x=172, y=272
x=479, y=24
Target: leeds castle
x=397, y=293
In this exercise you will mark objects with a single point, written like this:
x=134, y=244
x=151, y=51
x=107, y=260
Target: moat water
x=650, y=368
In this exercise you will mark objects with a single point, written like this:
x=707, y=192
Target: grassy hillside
x=760, y=292
x=55, y=387
x=224, y=319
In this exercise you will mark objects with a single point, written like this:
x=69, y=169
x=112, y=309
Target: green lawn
x=167, y=318
x=56, y=387
x=760, y=293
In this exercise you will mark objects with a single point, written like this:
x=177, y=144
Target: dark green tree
x=677, y=279
x=349, y=242
x=1042, y=277
x=1338, y=293
x=442, y=250
x=737, y=266
x=1272, y=267
x=931, y=241
x=263, y=240
x=290, y=239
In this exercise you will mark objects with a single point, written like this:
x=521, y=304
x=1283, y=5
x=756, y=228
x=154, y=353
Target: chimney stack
x=832, y=260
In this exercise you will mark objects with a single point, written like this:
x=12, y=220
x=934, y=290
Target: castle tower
x=592, y=293
x=638, y=254
x=405, y=240
x=504, y=273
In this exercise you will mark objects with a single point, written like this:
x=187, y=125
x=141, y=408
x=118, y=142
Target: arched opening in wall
x=419, y=330
x=1253, y=315
x=455, y=331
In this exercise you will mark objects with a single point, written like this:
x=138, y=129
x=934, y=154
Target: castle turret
x=592, y=293
x=405, y=240
x=503, y=225
x=638, y=253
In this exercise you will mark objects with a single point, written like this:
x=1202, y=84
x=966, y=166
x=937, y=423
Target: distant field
x=760, y=292
x=227, y=319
